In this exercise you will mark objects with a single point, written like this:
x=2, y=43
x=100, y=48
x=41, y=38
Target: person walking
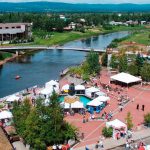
x=137, y=107
x=143, y=107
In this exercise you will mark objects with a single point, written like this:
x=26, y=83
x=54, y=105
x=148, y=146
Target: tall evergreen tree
x=93, y=62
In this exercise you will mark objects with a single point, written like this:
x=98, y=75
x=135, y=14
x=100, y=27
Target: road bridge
x=21, y=48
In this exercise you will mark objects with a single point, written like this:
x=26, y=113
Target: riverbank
x=56, y=38
x=2, y=62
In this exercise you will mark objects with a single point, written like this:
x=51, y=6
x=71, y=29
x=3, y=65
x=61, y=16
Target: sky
x=87, y=1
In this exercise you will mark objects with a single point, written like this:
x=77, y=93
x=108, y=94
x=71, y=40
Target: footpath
x=112, y=143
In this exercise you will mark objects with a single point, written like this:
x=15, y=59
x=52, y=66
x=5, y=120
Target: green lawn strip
x=141, y=38
x=5, y=55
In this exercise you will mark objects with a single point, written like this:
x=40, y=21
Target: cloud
x=86, y=1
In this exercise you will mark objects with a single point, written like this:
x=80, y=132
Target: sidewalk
x=111, y=143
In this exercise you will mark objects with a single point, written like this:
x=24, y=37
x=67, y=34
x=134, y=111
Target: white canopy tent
x=125, y=78
x=65, y=105
x=102, y=99
x=5, y=114
x=47, y=91
x=79, y=87
x=100, y=93
x=116, y=124
x=65, y=87
x=94, y=103
x=77, y=104
x=91, y=90
x=52, y=84
x=12, y=98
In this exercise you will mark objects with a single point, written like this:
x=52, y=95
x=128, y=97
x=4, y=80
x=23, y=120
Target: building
x=4, y=142
x=10, y=31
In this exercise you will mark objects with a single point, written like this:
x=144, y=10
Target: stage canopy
x=116, y=124
x=125, y=78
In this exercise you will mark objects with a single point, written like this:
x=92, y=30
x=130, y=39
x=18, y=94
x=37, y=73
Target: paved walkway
x=111, y=143
x=19, y=146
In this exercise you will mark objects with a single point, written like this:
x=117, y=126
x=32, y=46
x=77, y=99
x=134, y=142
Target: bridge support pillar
x=17, y=53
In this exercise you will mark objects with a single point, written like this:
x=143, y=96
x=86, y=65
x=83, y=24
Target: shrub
x=147, y=119
x=107, y=132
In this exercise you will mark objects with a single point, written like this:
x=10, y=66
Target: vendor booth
x=47, y=91
x=52, y=84
x=12, y=98
x=119, y=128
x=95, y=105
x=90, y=92
x=125, y=78
x=103, y=99
x=100, y=93
x=5, y=114
x=65, y=88
x=80, y=89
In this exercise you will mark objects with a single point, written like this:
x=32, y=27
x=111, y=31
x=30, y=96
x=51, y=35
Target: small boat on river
x=17, y=77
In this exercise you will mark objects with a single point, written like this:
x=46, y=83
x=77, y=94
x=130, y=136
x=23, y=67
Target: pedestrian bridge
x=21, y=48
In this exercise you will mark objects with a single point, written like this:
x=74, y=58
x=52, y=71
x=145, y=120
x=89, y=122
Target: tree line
x=49, y=21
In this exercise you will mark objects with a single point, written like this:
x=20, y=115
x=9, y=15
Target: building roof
x=125, y=78
x=13, y=24
x=4, y=142
x=11, y=31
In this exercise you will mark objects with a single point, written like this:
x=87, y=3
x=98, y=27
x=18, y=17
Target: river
x=42, y=66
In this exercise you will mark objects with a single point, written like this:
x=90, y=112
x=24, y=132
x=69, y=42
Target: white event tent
x=52, y=84
x=77, y=104
x=65, y=87
x=47, y=91
x=116, y=124
x=94, y=103
x=102, y=99
x=100, y=93
x=12, y=98
x=91, y=91
x=79, y=87
x=125, y=78
x=5, y=114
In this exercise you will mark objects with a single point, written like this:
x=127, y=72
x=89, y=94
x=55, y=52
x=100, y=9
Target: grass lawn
x=55, y=38
x=140, y=37
x=5, y=55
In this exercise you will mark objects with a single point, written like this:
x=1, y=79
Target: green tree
x=93, y=62
x=129, y=121
x=123, y=63
x=104, y=59
x=145, y=72
x=41, y=126
x=139, y=62
x=147, y=119
x=20, y=113
x=107, y=132
x=133, y=69
x=113, y=62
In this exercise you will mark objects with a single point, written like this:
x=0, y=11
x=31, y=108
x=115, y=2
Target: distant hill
x=67, y=7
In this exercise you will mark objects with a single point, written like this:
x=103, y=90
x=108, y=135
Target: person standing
x=137, y=107
x=143, y=107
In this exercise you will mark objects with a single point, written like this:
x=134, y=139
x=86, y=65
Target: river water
x=42, y=66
